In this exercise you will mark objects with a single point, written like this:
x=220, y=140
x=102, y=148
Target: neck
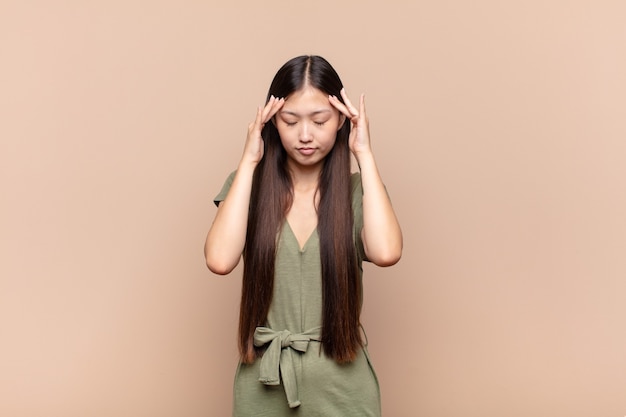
x=304, y=177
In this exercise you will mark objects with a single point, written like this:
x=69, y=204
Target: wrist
x=247, y=165
x=364, y=156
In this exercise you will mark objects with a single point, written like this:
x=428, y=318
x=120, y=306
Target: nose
x=306, y=134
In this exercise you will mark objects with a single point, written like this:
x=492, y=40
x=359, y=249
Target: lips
x=306, y=151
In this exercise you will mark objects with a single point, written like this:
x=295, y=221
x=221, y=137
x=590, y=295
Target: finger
x=349, y=104
x=362, y=106
x=340, y=106
x=273, y=109
x=268, y=108
x=259, y=117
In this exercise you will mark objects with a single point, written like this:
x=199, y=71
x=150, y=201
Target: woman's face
x=307, y=124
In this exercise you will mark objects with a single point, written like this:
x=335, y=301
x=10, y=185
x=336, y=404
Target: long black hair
x=271, y=199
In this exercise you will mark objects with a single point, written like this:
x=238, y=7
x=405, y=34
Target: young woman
x=304, y=224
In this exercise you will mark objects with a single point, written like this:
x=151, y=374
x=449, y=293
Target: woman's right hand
x=227, y=236
x=253, y=150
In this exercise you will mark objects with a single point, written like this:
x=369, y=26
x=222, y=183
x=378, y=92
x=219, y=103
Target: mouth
x=306, y=151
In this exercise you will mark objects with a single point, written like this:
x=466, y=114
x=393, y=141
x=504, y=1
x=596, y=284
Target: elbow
x=387, y=259
x=383, y=249
x=218, y=263
x=219, y=268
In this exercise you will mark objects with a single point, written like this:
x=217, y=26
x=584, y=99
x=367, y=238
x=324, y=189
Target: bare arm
x=227, y=236
x=381, y=234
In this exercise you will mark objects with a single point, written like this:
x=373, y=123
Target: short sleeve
x=357, y=210
x=225, y=188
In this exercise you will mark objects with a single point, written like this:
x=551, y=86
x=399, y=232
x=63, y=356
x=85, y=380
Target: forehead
x=305, y=101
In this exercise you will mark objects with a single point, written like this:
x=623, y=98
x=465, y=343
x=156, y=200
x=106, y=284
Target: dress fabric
x=294, y=377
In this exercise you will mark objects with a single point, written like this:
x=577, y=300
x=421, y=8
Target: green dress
x=294, y=377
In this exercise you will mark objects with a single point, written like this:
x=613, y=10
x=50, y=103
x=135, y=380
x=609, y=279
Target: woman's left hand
x=359, y=140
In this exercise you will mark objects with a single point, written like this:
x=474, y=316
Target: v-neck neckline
x=295, y=238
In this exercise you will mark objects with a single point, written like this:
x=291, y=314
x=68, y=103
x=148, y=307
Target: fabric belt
x=277, y=360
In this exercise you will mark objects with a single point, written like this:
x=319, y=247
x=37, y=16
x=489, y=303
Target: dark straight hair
x=271, y=199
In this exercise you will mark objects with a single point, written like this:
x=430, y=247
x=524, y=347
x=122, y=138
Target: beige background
x=500, y=131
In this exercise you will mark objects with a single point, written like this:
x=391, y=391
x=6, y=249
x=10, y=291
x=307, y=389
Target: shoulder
x=357, y=187
x=225, y=188
x=357, y=211
x=356, y=190
x=357, y=194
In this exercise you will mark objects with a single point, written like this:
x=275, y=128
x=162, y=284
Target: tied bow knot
x=277, y=360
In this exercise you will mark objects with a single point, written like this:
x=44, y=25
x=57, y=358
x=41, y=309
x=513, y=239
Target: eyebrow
x=316, y=112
